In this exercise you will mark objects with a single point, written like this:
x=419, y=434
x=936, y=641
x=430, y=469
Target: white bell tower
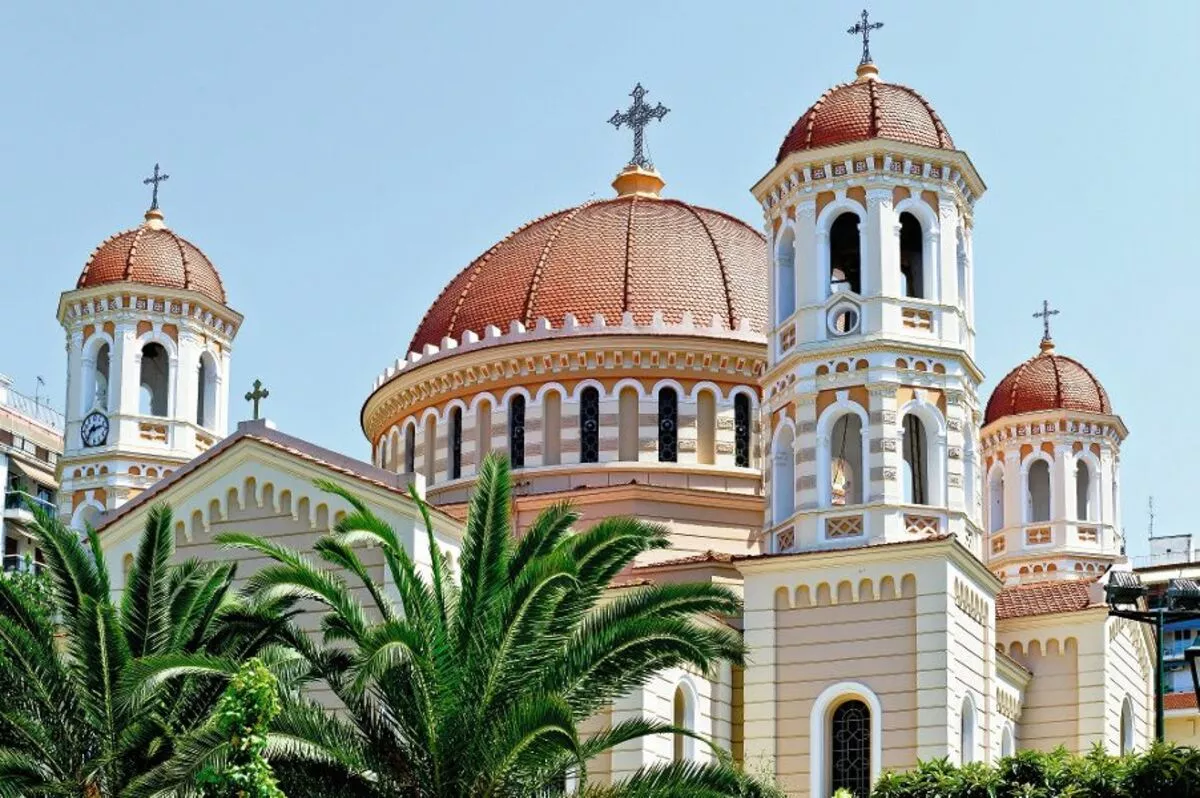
x=149, y=339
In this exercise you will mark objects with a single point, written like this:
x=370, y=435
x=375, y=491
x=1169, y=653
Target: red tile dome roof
x=635, y=253
x=867, y=109
x=1047, y=381
x=153, y=255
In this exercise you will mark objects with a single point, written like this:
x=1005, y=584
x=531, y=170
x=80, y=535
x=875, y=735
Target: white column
x=881, y=250
x=75, y=367
x=1014, y=490
x=812, y=282
x=1062, y=478
x=124, y=368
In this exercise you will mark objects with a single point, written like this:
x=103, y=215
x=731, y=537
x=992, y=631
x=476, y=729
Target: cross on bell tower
x=864, y=26
x=156, y=178
x=637, y=117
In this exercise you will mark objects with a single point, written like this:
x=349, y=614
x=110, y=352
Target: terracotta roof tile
x=631, y=253
x=1179, y=701
x=1044, y=598
x=1047, y=381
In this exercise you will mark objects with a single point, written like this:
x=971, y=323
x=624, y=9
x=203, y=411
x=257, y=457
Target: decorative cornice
x=137, y=301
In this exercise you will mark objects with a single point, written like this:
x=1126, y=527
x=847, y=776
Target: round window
x=843, y=319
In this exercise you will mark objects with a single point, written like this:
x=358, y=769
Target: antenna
x=1151, y=511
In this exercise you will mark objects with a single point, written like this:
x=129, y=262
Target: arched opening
x=961, y=259
x=155, y=377
x=850, y=748
x=783, y=480
x=206, y=391
x=516, y=431
x=483, y=429
x=996, y=501
x=410, y=448
x=845, y=257
x=916, y=461
x=706, y=427
x=741, y=430
x=1126, y=726
x=552, y=428
x=454, y=443
x=589, y=425
x=1038, y=491
x=845, y=461
x=668, y=425
x=429, y=449
x=96, y=396
x=683, y=717
x=1007, y=744
x=785, y=276
x=627, y=423
x=967, y=726
x=1083, y=491
x=912, y=246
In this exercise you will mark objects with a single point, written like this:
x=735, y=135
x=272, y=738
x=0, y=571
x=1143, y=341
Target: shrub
x=243, y=715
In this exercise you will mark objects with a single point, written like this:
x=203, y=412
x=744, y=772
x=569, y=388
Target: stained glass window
x=589, y=426
x=516, y=432
x=741, y=431
x=851, y=748
x=668, y=425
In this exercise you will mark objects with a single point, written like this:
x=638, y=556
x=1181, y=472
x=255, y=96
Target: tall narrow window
x=845, y=461
x=706, y=428
x=916, y=461
x=454, y=438
x=967, y=731
x=996, y=501
x=741, y=430
x=99, y=397
x=429, y=450
x=961, y=258
x=783, y=477
x=668, y=425
x=845, y=259
x=552, y=428
x=1039, y=491
x=1006, y=742
x=589, y=425
x=410, y=449
x=785, y=276
x=516, y=431
x=912, y=272
x=628, y=424
x=154, y=380
x=683, y=718
x=850, y=749
x=1126, y=727
x=206, y=391
x=1083, y=491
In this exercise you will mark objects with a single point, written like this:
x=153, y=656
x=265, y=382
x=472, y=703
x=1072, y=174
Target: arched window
x=206, y=391
x=912, y=246
x=850, y=748
x=668, y=425
x=1083, y=491
x=845, y=461
x=967, y=726
x=684, y=717
x=516, y=431
x=1126, y=726
x=916, y=461
x=429, y=449
x=454, y=442
x=1039, y=491
x=783, y=479
x=706, y=428
x=996, y=501
x=1007, y=745
x=98, y=398
x=589, y=425
x=785, y=276
x=483, y=430
x=155, y=377
x=845, y=259
x=552, y=428
x=961, y=258
x=410, y=448
x=741, y=430
x=627, y=422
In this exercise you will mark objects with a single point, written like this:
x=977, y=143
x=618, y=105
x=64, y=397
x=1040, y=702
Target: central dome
x=635, y=253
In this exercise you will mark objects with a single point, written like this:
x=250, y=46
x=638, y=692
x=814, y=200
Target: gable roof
x=1045, y=598
x=263, y=432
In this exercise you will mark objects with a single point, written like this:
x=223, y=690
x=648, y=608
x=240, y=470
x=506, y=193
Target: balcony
x=17, y=504
x=21, y=563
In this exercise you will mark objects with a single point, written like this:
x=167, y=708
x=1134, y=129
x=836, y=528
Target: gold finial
x=638, y=181
x=1046, y=346
x=867, y=72
x=154, y=219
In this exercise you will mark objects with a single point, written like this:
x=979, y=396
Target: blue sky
x=340, y=162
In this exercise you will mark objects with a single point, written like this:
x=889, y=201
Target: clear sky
x=340, y=162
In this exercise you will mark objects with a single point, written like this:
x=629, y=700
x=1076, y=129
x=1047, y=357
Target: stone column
x=1062, y=478
x=534, y=434
x=648, y=429
x=887, y=459
x=570, y=433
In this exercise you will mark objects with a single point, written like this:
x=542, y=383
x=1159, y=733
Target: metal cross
x=256, y=395
x=156, y=179
x=864, y=26
x=1045, y=315
x=637, y=117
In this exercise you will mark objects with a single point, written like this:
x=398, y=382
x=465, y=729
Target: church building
x=923, y=568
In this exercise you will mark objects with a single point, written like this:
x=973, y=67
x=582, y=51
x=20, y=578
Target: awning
x=42, y=475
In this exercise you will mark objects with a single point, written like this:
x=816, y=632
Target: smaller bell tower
x=149, y=340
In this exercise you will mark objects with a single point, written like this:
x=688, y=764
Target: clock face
x=94, y=430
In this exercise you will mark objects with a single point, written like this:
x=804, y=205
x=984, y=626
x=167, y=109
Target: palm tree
x=478, y=687
x=81, y=713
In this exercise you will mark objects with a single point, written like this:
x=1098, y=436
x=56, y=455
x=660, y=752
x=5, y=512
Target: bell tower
x=149, y=339
x=871, y=392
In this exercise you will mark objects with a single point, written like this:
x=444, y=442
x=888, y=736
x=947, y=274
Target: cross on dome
x=1044, y=314
x=156, y=178
x=864, y=27
x=637, y=117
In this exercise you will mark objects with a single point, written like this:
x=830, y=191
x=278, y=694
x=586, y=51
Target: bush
x=243, y=715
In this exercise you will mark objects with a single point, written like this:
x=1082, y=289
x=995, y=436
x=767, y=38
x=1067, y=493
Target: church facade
x=922, y=570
